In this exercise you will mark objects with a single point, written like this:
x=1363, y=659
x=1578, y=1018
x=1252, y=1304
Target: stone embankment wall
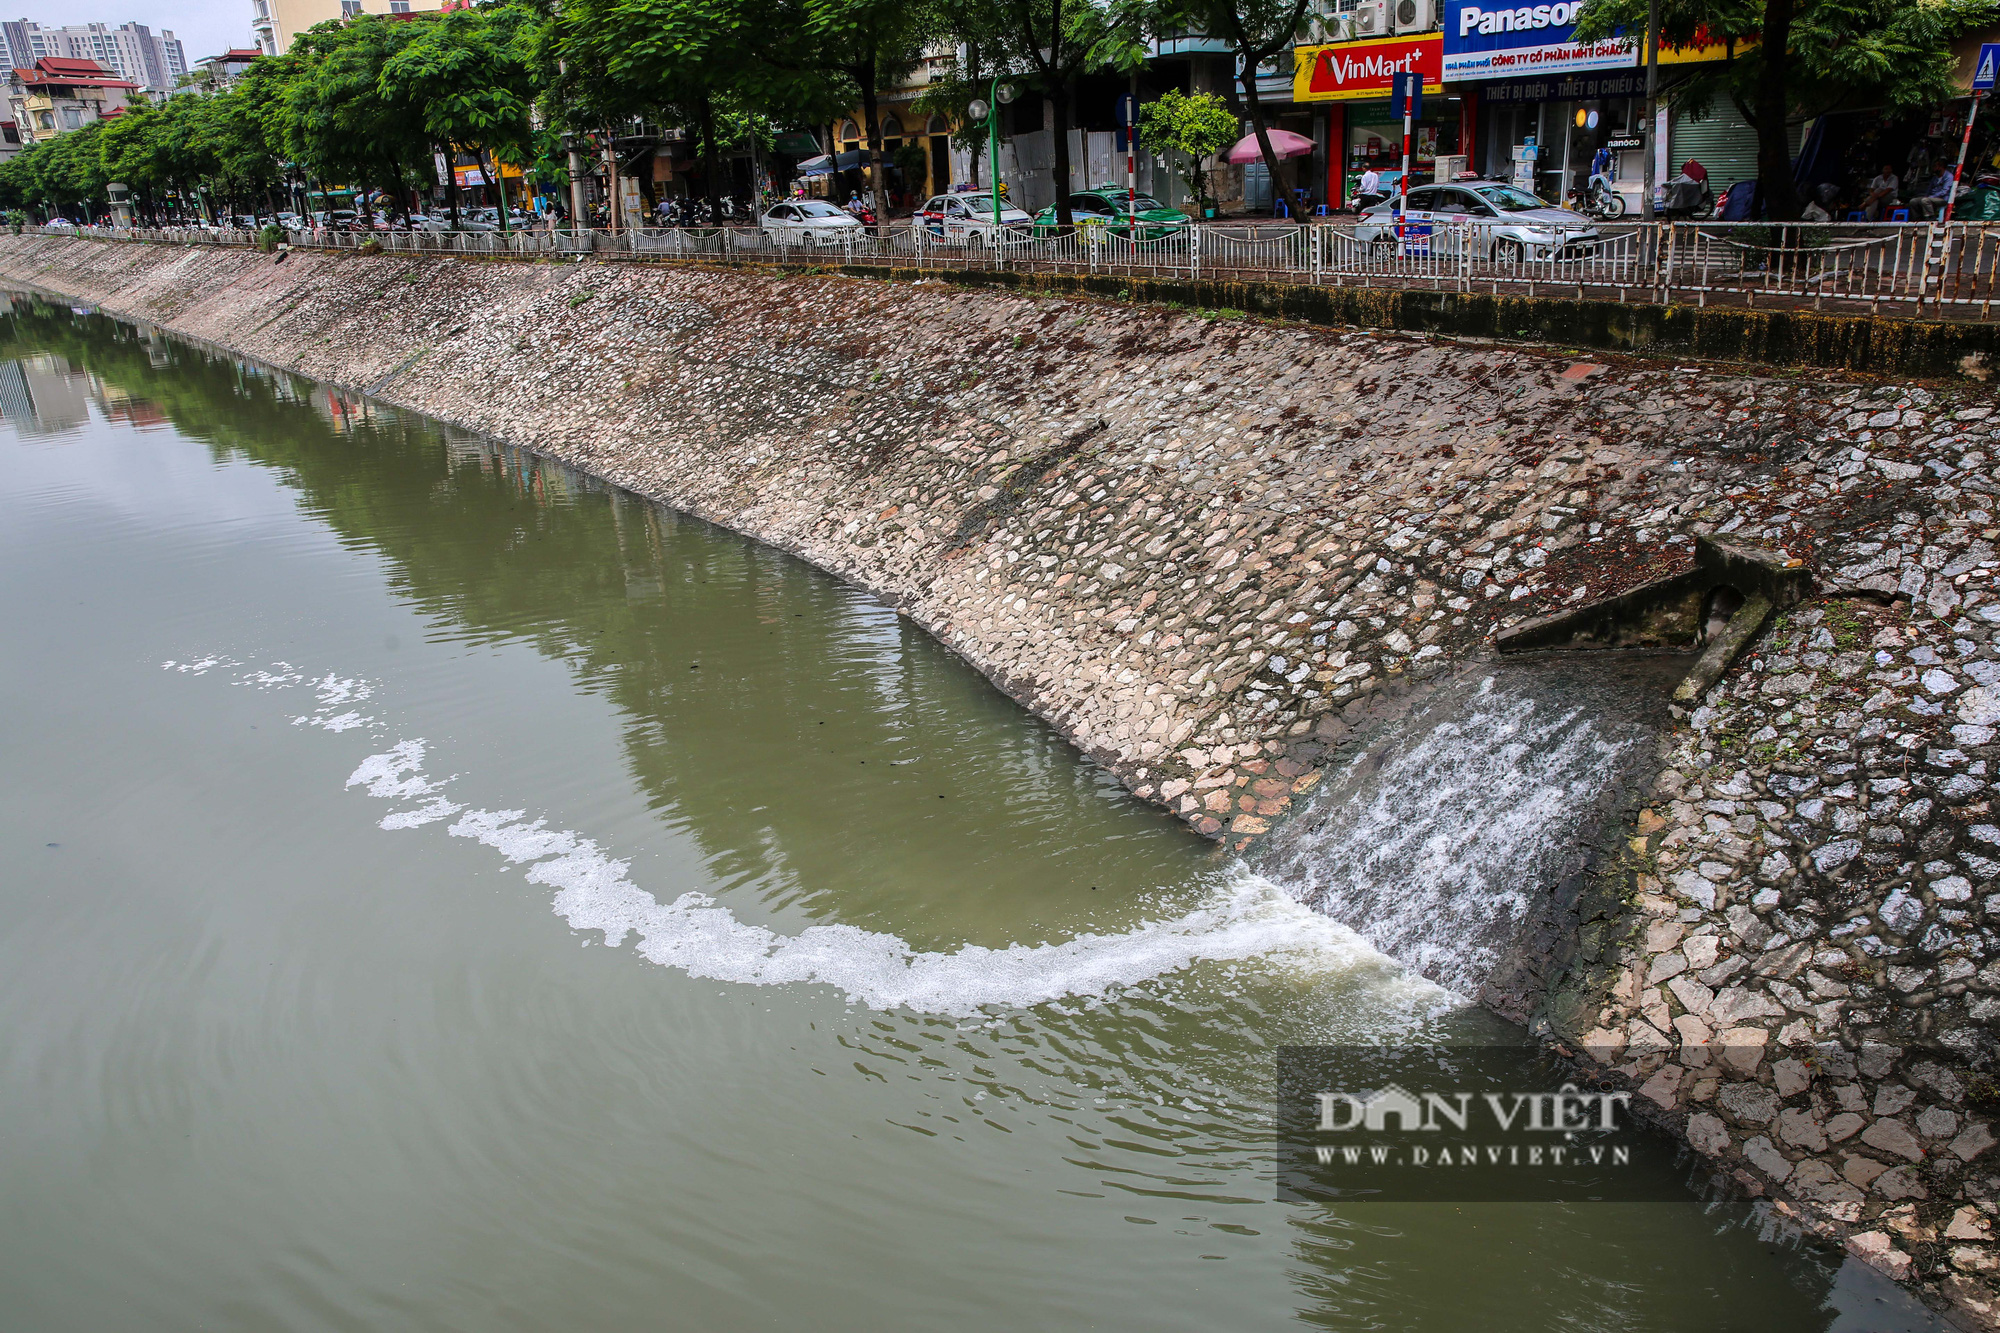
x=1205, y=548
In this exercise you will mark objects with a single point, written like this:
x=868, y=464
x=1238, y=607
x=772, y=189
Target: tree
x=1196, y=126
x=870, y=44
x=1056, y=40
x=1256, y=30
x=1809, y=57
x=334, y=119
x=466, y=76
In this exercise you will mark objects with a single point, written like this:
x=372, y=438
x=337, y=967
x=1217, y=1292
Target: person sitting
x=1882, y=194
x=1600, y=176
x=1930, y=205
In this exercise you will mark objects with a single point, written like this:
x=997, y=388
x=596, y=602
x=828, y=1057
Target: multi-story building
x=278, y=23
x=55, y=95
x=217, y=72
x=131, y=51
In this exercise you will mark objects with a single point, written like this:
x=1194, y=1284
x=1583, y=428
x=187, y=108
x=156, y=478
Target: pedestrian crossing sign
x=1989, y=62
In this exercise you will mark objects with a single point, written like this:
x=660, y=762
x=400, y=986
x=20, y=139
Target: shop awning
x=826, y=166
x=797, y=143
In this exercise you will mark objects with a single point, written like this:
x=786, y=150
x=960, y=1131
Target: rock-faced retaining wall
x=1203, y=548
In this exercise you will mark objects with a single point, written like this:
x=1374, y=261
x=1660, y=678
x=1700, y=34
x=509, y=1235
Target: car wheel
x=1508, y=254
x=1383, y=247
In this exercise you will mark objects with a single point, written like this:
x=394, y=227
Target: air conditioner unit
x=1371, y=18
x=1417, y=16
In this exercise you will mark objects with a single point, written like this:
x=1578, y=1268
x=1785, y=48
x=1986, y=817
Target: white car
x=1495, y=221
x=965, y=217
x=810, y=222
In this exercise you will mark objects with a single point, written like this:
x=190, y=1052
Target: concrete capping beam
x=1667, y=612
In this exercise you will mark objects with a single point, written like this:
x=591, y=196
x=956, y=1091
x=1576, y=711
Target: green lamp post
x=1003, y=93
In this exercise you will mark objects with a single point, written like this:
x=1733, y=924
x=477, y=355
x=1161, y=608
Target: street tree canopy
x=1791, y=59
x=1197, y=126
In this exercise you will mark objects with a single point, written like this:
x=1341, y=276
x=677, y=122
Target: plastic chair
x=1899, y=215
x=1857, y=215
x=1323, y=211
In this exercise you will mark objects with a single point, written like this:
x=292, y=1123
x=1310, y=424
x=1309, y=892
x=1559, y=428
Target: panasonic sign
x=1472, y=19
x=1490, y=41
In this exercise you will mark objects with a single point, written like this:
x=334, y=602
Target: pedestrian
x=1369, y=191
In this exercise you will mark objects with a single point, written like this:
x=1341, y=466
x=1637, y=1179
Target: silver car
x=1495, y=221
x=810, y=222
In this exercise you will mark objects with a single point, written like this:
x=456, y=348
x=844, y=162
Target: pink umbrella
x=1283, y=143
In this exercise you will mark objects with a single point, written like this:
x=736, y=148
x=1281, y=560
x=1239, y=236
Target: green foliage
x=1831, y=53
x=1197, y=127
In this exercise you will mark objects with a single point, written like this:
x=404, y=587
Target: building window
x=399, y=6
x=72, y=118
x=350, y=9
x=850, y=133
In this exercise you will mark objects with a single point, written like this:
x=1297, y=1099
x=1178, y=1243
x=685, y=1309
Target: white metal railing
x=1844, y=265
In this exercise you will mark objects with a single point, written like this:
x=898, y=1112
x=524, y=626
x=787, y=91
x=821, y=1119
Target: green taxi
x=1106, y=206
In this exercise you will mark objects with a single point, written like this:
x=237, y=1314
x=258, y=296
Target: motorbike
x=1597, y=199
x=1684, y=198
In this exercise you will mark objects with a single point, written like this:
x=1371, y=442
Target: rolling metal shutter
x=1724, y=143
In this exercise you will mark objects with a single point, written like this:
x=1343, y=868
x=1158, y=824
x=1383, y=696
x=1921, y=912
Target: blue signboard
x=1989, y=63
x=1488, y=39
x=1406, y=96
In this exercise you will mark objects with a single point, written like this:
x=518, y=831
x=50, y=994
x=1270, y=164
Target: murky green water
x=955, y=1034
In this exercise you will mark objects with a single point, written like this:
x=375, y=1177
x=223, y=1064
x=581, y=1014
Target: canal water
x=447, y=893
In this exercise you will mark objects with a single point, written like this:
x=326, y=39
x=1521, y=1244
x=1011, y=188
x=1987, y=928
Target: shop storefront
x=1361, y=131
x=1550, y=104
x=1543, y=133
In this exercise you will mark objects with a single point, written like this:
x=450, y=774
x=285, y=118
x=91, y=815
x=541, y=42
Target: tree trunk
x=1059, y=90
x=872, y=127
x=1256, y=109
x=972, y=67
x=493, y=179
x=1774, y=158
x=709, y=170
x=451, y=184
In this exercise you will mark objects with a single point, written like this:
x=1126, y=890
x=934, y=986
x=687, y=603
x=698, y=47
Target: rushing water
x=337, y=750
x=1442, y=840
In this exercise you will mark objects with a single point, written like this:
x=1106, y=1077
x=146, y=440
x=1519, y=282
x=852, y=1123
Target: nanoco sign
x=1490, y=41
x=1356, y=70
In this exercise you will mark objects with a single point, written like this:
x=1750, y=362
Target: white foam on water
x=1247, y=917
x=1244, y=918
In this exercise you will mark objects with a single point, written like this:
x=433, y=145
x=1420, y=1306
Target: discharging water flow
x=341, y=746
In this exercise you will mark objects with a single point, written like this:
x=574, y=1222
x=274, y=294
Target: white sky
x=205, y=27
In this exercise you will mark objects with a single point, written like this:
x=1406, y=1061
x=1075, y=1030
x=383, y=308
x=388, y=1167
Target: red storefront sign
x=1356, y=70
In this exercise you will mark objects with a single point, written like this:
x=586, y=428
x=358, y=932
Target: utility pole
x=1647, y=177
x=575, y=182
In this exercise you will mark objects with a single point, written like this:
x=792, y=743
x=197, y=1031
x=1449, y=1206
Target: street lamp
x=1003, y=93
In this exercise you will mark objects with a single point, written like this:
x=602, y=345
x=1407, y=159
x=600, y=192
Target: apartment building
x=278, y=23
x=131, y=51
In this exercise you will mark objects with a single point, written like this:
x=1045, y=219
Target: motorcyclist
x=1600, y=174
